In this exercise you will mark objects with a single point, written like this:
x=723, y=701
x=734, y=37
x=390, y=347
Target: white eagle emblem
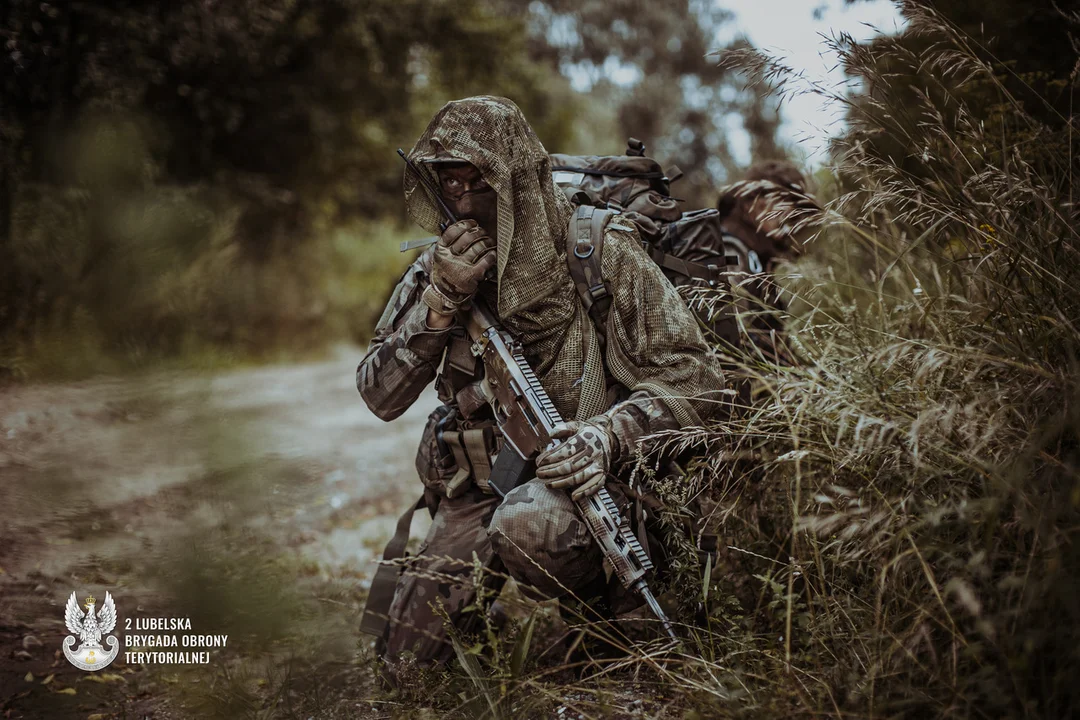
x=89, y=628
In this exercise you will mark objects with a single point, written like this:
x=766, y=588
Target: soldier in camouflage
x=766, y=219
x=653, y=372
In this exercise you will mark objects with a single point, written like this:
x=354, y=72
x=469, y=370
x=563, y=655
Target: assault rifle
x=526, y=416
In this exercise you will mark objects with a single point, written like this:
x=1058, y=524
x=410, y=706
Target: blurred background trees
x=186, y=175
x=672, y=93
x=1029, y=49
x=179, y=177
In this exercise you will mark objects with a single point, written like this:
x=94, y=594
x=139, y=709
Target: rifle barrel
x=643, y=589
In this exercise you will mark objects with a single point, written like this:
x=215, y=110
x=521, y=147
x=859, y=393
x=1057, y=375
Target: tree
x=674, y=96
x=284, y=113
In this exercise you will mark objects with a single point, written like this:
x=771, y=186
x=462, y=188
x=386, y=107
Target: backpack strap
x=710, y=273
x=584, y=250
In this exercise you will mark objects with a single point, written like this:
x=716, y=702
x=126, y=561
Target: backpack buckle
x=754, y=262
x=584, y=248
x=598, y=291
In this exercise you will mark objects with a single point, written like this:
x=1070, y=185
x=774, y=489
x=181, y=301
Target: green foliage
x=494, y=663
x=671, y=94
x=908, y=516
x=183, y=179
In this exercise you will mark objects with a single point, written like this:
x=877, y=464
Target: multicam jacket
x=405, y=355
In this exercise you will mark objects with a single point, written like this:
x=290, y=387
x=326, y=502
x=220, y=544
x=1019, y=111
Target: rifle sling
x=381, y=594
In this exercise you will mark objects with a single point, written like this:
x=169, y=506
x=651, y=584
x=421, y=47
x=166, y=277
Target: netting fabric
x=534, y=295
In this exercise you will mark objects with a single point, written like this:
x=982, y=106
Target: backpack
x=690, y=247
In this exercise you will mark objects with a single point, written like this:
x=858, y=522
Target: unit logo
x=89, y=628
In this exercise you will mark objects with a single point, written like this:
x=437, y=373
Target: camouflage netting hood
x=535, y=297
x=492, y=134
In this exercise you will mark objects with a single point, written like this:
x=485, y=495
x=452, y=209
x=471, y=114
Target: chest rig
x=468, y=431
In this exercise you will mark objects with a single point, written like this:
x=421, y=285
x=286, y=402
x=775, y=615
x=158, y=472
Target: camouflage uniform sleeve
x=638, y=416
x=404, y=354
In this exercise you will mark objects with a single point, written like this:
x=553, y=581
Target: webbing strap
x=709, y=273
x=584, y=252
x=596, y=230
x=381, y=594
x=476, y=447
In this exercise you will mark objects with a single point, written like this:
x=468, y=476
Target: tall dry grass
x=911, y=521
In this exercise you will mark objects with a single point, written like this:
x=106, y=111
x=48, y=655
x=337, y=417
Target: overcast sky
x=789, y=29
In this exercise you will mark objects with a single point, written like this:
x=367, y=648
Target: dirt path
x=250, y=503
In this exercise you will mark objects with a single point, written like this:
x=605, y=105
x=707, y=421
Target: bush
x=121, y=280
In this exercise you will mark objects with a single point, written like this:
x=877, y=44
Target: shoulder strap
x=584, y=251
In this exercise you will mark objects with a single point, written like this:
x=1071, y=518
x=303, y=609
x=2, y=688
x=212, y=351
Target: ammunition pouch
x=453, y=452
x=434, y=462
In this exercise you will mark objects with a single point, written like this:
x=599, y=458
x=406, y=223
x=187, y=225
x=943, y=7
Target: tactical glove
x=464, y=255
x=581, y=461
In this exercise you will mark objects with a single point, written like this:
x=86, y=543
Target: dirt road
x=249, y=503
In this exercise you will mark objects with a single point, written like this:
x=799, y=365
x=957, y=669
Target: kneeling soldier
x=649, y=370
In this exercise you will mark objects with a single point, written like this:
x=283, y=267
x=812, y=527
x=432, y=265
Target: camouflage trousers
x=535, y=535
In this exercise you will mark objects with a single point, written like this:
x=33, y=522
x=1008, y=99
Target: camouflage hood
x=492, y=134
x=534, y=295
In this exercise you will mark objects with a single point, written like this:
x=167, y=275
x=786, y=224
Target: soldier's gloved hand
x=581, y=461
x=464, y=255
